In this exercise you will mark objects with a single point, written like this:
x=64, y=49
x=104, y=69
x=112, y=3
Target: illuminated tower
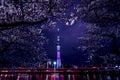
x=58, y=50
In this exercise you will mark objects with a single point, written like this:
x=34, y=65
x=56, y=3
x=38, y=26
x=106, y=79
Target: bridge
x=92, y=73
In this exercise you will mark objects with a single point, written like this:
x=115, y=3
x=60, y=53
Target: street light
x=54, y=63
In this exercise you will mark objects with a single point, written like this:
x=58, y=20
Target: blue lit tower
x=58, y=50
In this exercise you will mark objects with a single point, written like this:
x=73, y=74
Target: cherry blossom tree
x=96, y=39
x=22, y=47
x=103, y=17
x=13, y=13
x=100, y=12
x=22, y=41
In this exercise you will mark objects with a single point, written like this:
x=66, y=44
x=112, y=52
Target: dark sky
x=69, y=43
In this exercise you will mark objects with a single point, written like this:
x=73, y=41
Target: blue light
x=54, y=63
x=58, y=47
x=58, y=29
x=116, y=66
x=58, y=39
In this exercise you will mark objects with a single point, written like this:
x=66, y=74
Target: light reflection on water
x=57, y=77
x=62, y=74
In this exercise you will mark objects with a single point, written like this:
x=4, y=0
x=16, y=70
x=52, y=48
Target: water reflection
x=57, y=77
x=63, y=74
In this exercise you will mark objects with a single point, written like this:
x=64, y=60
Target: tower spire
x=58, y=50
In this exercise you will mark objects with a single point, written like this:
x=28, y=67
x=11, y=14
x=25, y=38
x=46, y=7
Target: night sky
x=69, y=43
